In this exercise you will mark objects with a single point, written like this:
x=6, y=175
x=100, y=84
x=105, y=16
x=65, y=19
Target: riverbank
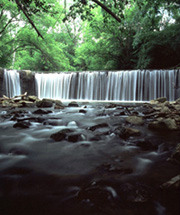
x=86, y=158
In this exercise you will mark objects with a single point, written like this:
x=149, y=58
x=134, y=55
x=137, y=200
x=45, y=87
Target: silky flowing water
x=130, y=85
x=98, y=174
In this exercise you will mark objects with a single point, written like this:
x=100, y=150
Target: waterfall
x=136, y=85
x=12, y=83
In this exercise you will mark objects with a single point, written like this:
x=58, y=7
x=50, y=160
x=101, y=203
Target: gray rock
x=61, y=135
x=33, y=98
x=176, y=154
x=178, y=101
x=45, y=103
x=102, y=125
x=73, y=104
x=40, y=111
x=161, y=99
x=74, y=138
x=126, y=132
x=163, y=124
x=136, y=120
x=173, y=183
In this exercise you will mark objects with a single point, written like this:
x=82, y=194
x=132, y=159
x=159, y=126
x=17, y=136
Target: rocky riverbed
x=89, y=158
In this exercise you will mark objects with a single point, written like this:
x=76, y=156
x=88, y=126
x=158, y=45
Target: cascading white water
x=133, y=85
x=12, y=83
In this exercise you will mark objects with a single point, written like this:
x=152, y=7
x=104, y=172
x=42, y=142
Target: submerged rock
x=144, y=144
x=40, y=111
x=102, y=125
x=60, y=135
x=22, y=124
x=82, y=111
x=74, y=138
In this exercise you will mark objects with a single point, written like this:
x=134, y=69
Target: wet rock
x=135, y=113
x=122, y=113
x=176, y=107
x=136, y=120
x=53, y=122
x=111, y=106
x=178, y=101
x=22, y=124
x=148, y=111
x=158, y=100
x=58, y=105
x=73, y=104
x=61, y=135
x=126, y=132
x=27, y=103
x=74, y=138
x=82, y=111
x=113, y=168
x=165, y=110
x=161, y=99
x=176, y=154
x=95, y=138
x=163, y=124
x=135, y=193
x=96, y=196
x=15, y=117
x=45, y=103
x=33, y=98
x=6, y=103
x=40, y=111
x=173, y=183
x=16, y=151
x=102, y=125
x=144, y=144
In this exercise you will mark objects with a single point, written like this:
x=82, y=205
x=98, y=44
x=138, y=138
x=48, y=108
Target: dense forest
x=75, y=35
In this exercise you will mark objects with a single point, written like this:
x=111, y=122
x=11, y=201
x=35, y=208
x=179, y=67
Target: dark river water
x=92, y=171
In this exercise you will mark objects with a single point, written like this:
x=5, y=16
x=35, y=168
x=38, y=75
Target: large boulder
x=163, y=124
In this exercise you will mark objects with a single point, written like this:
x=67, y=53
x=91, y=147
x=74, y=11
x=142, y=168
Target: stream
x=92, y=170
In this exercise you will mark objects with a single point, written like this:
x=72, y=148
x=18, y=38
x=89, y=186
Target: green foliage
x=90, y=34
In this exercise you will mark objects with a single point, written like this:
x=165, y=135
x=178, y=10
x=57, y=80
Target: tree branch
x=4, y=28
x=30, y=21
x=107, y=10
